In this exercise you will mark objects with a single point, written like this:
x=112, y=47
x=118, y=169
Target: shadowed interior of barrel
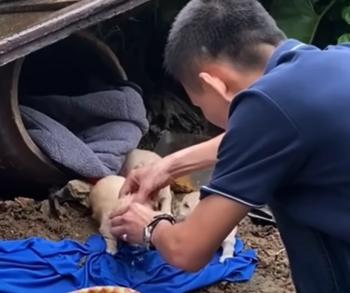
x=78, y=65
x=75, y=66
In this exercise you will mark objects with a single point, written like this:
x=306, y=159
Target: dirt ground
x=24, y=218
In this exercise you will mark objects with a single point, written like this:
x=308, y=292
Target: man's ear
x=214, y=83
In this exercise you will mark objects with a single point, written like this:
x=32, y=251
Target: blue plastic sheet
x=39, y=265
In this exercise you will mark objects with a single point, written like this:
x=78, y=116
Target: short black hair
x=214, y=28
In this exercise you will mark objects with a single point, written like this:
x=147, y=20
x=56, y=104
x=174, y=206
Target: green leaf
x=344, y=38
x=346, y=14
x=298, y=18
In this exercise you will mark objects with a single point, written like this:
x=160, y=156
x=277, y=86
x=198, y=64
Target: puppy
x=140, y=158
x=103, y=200
x=187, y=205
x=104, y=196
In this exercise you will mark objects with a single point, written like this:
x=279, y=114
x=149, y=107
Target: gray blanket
x=90, y=134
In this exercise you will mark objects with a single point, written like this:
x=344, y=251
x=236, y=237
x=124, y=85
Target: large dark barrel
x=62, y=68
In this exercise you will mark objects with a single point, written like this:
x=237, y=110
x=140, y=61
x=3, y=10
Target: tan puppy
x=104, y=196
x=187, y=205
x=139, y=158
x=104, y=199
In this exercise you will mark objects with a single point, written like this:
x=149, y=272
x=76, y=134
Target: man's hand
x=145, y=182
x=188, y=245
x=131, y=222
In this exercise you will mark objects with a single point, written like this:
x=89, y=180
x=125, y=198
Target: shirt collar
x=285, y=46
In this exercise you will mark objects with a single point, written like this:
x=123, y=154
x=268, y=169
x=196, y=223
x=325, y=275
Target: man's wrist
x=159, y=231
x=149, y=229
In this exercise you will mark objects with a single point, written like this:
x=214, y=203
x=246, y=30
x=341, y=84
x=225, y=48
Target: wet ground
x=25, y=218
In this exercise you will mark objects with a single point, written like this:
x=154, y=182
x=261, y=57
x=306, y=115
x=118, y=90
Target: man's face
x=214, y=107
x=219, y=82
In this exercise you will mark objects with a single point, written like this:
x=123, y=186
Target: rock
x=79, y=190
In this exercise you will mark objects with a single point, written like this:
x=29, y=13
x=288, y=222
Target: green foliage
x=346, y=14
x=300, y=19
x=345, y=37
x=320, y=22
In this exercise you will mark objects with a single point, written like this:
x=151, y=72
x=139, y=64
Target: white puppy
x=187, y=205
x=104, y=199
x=139, y=158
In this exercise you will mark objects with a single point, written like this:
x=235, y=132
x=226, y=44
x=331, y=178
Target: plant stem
x=323, y=13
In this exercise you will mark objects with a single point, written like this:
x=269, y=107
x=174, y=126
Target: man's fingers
x=130, y=185
x=117, y=221
x=138, y=197
x=126, y=188
x=147, y=188
x=143, y=193
x=119, y=231
x=119, y=212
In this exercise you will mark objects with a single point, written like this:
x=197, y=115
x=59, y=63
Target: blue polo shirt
x=288, y=140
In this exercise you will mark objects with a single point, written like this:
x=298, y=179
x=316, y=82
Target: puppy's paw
x=111, y=246
x=225, y=256
x=228, y=249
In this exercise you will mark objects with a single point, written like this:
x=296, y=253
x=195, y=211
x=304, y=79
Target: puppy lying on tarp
x=104, y=196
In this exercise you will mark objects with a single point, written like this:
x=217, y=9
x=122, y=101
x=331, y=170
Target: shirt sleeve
x=262, y=148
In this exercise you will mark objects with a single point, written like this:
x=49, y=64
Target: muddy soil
x=24, y=218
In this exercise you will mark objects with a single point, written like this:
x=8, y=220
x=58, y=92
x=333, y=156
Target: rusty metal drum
x=24, y=168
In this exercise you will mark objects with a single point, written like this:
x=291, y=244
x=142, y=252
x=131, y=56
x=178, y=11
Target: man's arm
x=146, y=181
x=197, y=157
x=190, y=245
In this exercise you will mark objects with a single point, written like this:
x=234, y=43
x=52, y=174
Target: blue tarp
x=39, y=265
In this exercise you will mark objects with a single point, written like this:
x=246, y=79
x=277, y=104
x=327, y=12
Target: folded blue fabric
x=39, y=265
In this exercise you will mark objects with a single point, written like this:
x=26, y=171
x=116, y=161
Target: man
x=284, y=106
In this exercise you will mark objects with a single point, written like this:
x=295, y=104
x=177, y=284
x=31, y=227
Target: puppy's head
x=139, y=158
x=187, y=205
x=104, y=195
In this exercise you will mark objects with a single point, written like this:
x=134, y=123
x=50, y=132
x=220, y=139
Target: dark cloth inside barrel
x=88, y=134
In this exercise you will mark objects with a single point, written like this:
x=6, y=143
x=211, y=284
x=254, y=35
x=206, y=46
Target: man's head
x=217, y=48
